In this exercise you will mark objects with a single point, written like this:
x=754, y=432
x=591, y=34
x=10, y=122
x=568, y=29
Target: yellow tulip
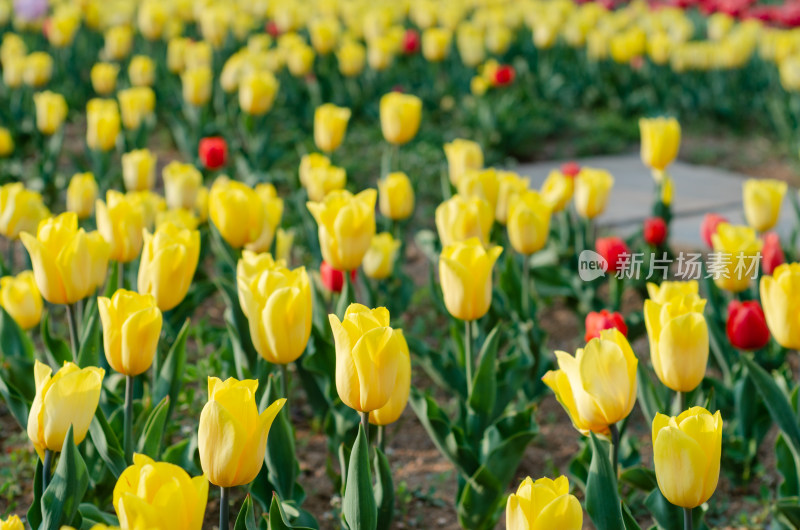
x=369, y=355
x=481, y=183
x=131, y=328
x=284, y=239
x=780, y=298
x=201, y=205
x=136, y=104
x=666, y=190
x=272, y=206
x=659, y=47
x=320, y=180
x=678, y=335
x=557, y=190
x=528, y=222
x=38, y=69
x=118, y=42
x=180, y=217
x=102, y=124
x=324, y=34
x=545, y=503
x=6, y=142
x=461, y=218
x=509, y=186
x=81, y=194
x=661, y=138
x=735, y=259
x=181, y=184
x=21, y=210
x=762, y=202
x=257, y=92
x=330, y=125
x=380, y=53
x=391, y=411
x=21, y=299
x=592, y=187
x=308, y=163
x=51, y=111
x=661, y=294
x=139, y=170
x=232, y=437
x=462, y=156
x=237, y=211
x=351, y=57
x=627, y=45
x=278, y=305
x=346, y=226
x=197, y=85
x=469, y=41
x=197, y=54
x=423, y=13
x=396, y=196
x=151, y=18
x=159, y=496
x=381, y=256
x=400, y=117
x=149, y=203
x=104, y=78
x=719, y=24
x=498, y=39
x=597, y=387
x=465, y=272
x=13, y=46
x=68, y=398
x=141, y=71
x=436, y=44
x=14, y=71
x=300, y=60
x=176, y=54
x=214, y=22
x=233, y=69
x=12, y=523
x=168, y=263
x=686, y=453
x=121, y=222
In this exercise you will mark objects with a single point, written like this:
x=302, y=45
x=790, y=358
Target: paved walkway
x=697, y=191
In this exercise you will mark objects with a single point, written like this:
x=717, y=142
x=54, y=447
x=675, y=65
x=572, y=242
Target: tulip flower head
x=592, y=187
x=557, y=190
x=661, y=139
x=332, y=278
x=544, y=503
x=400, y=117
x=21, y=299
x=614, y=250
x=528, y=222
x=465, y=272
x=131, y=329
x=139, y=170
x=747, y=326
x=509, y=186
x=181, y=184
x=330, y=126
x=654, y=231
x=462, y=156
x=237, y=211
x=771, y=253
x=597, y=321
x=12, y=523
x=21, y=210
x=168, y=263
x=737, y=252
x=762, y=202
x=396, y=196
x=661, y=293
x=213, y=152
x=780, y=297
x=460, y=218
x=380, y=258
x=121, y=222
x=346, y=226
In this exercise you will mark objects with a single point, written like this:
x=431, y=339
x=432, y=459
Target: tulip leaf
x=35, y=510
x=277, y=517
x=62, y=498
x=484, y=384
x=245, y=356
x=91, y=343
x=650, y=400
x=629, y=519
x=182, y=454
x=384, y=489
x=602, y=497
x=358, y=505
x=105, y=441
x=58, y=350
x=92, y=515
x=13, y=341
x=170, y=375
x=246, y=520
x=787, y=467
x=16, y=402
x=665, y=514
x=640, y=478
x=788, y=510
x=280, y=457
x=153, y=432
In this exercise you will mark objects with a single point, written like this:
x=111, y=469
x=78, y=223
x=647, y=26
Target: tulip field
x=277, y=264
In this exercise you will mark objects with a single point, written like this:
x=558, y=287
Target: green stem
x=526, y=295
x=687, y=519
x=128, y=440
x=120, y=275
x=614, y=446
x=72, y=320
x=224, y=506
x=10, y=256
x=365, y=425
x=681, y=402
x=382, y=438
x=285, y=380
x=350, y=287
x=48, y=457
x=468, y=354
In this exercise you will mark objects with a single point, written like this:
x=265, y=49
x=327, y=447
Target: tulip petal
x=564, y=513
x=680, y=467
x=221, y=439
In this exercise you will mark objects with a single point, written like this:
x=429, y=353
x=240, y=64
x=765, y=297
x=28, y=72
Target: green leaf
x=182, y=454
x=602, y=498
x=16, y=402
x=150, y=439
x=629, y=519
x=358, y=505
x=13, y=341
x=650, y=400
x=170, y=376
x=246, y=520
x=788, y=510
x=384, y=489
x=35, y=510
x=105, y=441
x=278, y=519
x=64, y=494
x=238, y=329
x=58, y=350
x=640, y=478
x=92, y=515
x=280, y=457
x=484, y=386
x=91, y=341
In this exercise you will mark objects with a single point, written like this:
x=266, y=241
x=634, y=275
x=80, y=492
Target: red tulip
x=213, y=152
x=771, y=253
x=332, y=278
x=655, y=231
x=747, y=327
x=570, y=169
x=709, y=226
x=410, y=41
x=272, y=28
x=612, y=249
x=598, y=321
x=504, y=75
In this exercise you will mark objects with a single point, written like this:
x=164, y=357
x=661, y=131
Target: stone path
x=697, y=191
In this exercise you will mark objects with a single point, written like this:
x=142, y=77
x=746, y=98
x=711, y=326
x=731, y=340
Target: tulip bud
x=780, y=297
x=381, y=256
x=351, y=57
x=747, y=325
x=604, y=319
x=480, y=183
x=465, y=272
x=237, y=211
x=410, y=41
x=104, y=78
x=168, y=263
x=654, y=231
x=557, y=190
x=762, y=202
x=330, y=125
x=12, y=523
x=459, y=218
x=592, y=187
x=661, y=294
x=257, y=92
x=118, y=42
x=181, y=182
x=197, y=55
x=570, y=169
x=678, y=335
x=332, y=278
x=51, y=111
x=38, y=69
x=176, y=54
x=300, y=60
x=396, y=196
x=196, y=84
x=141, y=71
x=324, y=33
x=436, y=44
x=180, y=217
x=21, y=210
x=139, y=170
x=400, y=117
x=149, y=203
x=771, y=253
x=214, y=22
x=369, y=356
x=614, y=250
x=709, y=226
x=120, y=221
x=737, y=252
x=504, y=75
x=528, y=222
x=6, y=142
x=462, y=156
x=509, y=186
x=272, y=206
x=131, y=328
x=232, y=437
x=380, y=53
x=346, y=226
x=213, y=152
x=545, y=503
x=81, y=194
x=20, y=297
x=686, y=453
x=136, y=105
x=469, y=40
x=68, y=398
x=152, y=494
x=151, y=18
x=102, y=124
x=661, y=139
